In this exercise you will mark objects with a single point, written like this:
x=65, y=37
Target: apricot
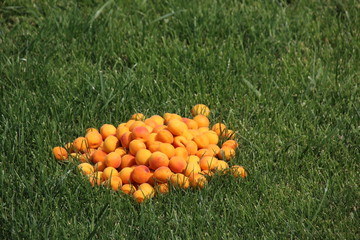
x=204, y=152
x=128, y=189
x=201, y=140
x=177, y=127
x=147, y=189
x=162, y=174
x=231, y=144
x=197, y=180
x=180, y=141
x=107, y=130
x=214, y=148
x=150, y=122
x=229, y=134
x=114, y=182
x=129, y=123
x=153, y=147
x=138, y=117
x=158, y=119
x=125, y=139
x=91, y=130
x=136, y=124
x=181, y=152
x=121, y=151
x=164, y=136
x=208, y=163
x=212, y=136
x=190, y=123
x=191, y=147
x=221, y=165
x=60, y=153
x=158, y=128
x=125, y=174
x=140, y=133
x=162, y=188
x=139, y=196
x=135, y=146
x=120, y=130
x=166, y=148
x=86, y=168
x=140, y=174
x=219, y=128
x=193, y=158
x=180, y=180
x=192, y=168
x=142, y=157
x=98, y=156
x=96, y=178
x=94, y=139
x=177, y=164
x=158, y=159
x=110, y=144
x=226, y=153
x=109, y=172
x=113, y=159
x=238, y=171
x=127, y=160
x=202, y=121
x=100, y=166
x=200, y=109
x=80, y=144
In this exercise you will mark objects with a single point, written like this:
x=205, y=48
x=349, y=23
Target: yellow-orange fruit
x=109, y=172
x=139, y=196
x=158, y=128
x=150, y=122
x=208, y=163
x=190, y=123
x=212, y=136
x=60, y=153
x=86, y=168
x=162, y=188
x=114, y=182
x=107, y=130
x=136, y=124
x=204, y=152
x=180, y=141
x=158, y=159
x=177, y=164
x=221, y=165
x=142, y=157
x=140, y=133
x=91, y=130
x=238, y=171
x=231, y=144
x=128, y=188
x=192, y=168
x=166, y=148
x=228, y=133
x=147, y=189
x=219, y=128
x=214, y=148
x=125, y=175
x=202, y=121
x=125, y=139
x=200, y=109
x=191, y=147
x=113, y=159
x=96, y=178
x=198, y=180
x=158, y=119
x=177, y=127
x=226, y=153
x=164, y=136
x=94, y=139
x=162, y=174
x=80, y=144
x=120, y=130
x=181, y=152
x=193, y=158
x=98, y=156
x=110, y=144
x=153, y=147
x=99, y=166
x=127, y=160
x=121, y=151
x=141, y=174
x=201, y=140
x=135, y=146
x=138, y=117
x=180, y=180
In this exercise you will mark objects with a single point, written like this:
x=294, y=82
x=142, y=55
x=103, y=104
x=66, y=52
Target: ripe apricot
x=181, y=152
x=200, y=109
x=158, y=119
x=138, y=117
x=100, y=166
x=202, y=121
x=214, y=148
x=197, y=180
x=125, y=174
x=193, y=158
x=231, y=144
x=142, y=157
x=147, y=189
x=180, y=180
x=121, y=151
x=135, y=146
x=204, y=152
x=141, y=174
x=176, y=127
x=162, y=174
x=110, y=144
x=139, y=196
x=120, y=130
x=166, y=148
x=219, y=128
x=140, y=133
x=229, y=134
x=192, y=168
x=96, y=178
x=164, y=136
x=221, y=165
x=80, y=144
x=94, y=139
x=60, y=153
x=86, y=168
x=153, y=147
x=113, y=159
x=162, y=188
x=107, y=130
x=212, y=136
x=114, y=182
x=190, y=123
x=158, y=128
x=201, y=140
x=109, y=172
x=180, y=141
x=226, y=153
x=150, y=122
x=177, y=164
x=208, y=163
x=191, y=147
x=98, y=156
x=125, y=139
x=128, y=189
x=127, y=160
x=136, y=124
x=158, y=159
x=238, y=171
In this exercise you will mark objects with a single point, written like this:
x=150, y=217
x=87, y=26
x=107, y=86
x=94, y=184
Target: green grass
x=283, y=74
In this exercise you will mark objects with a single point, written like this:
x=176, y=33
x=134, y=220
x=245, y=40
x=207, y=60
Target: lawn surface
x=283, y=74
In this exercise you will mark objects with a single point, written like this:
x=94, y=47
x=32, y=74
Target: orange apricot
x=191, y=147
x=208, y=163
x=153, y=147
x=128, y=188
x=138, y=117
x=177, y=164
x=96, y=178
x=200, y=109
x=125, y=139
x=110, y=144
x=120, y=130
x=107, y=130
x=140, y=174
x=167, y=148
x=135, y=146
x=177, y=127
x=142, y=157
x=121, y=151
x=212, y=136
x=94, y=139
x=193, y=158
x=60, y=153
x=164, y=136
x=181, y=152
x=180, y=180
x=162, y=174
x=158, y=119
x=226, y=153
x=192, y=168
x=214, y=148
x=158, y=128
x=231, y=144
x=91, y=130
x=80, y=144
x=202, y=121
x=219, y=128
x=150, y=122
x=180, y=141
x=190, y=123
x=204, y=152
x=98, y=156
x=139, y=196
x=197, y=180
x=162, y=188
x=238, y=171
x=147, y=189
x=158, y=159
x=86, y=168
x=125, y=174
x=140, y=133
x=100, y=166
x=221, y=166
x=113, y=159
x=201, y=140
x=127, y=160
x=229, y=134
x=109, y=172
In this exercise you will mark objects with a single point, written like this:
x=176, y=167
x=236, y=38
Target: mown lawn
x=283, y=74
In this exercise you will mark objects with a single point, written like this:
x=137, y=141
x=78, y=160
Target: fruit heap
x=143, y=157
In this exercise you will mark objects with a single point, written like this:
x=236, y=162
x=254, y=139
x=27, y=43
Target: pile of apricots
x=144, y=157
